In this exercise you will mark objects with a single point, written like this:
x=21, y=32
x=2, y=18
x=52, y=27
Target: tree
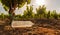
x=28, y=13
x=48, y=15
x=55, y=14
x=41, y=10
x=11, y=5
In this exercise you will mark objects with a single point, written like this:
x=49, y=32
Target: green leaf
x=18, y=3
x=6, y=8
x=28, y=1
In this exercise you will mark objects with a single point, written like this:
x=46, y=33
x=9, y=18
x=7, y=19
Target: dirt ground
x=41, y=27
x=29, y=31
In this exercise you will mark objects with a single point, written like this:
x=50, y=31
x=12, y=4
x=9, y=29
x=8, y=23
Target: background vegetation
x=41, y=13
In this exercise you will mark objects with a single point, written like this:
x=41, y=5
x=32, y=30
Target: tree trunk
x=11, y=15
x=11, y=11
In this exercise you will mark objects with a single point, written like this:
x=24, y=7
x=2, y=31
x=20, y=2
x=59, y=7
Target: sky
x=50, y=5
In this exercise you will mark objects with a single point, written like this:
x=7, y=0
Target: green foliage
x=17, y=16
x=48, y=15
x=41, y=11
x=28, y=13
x=13, y=3
x=28, y=1
x=55, y=14
x=2, y=15
x=59, y=15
